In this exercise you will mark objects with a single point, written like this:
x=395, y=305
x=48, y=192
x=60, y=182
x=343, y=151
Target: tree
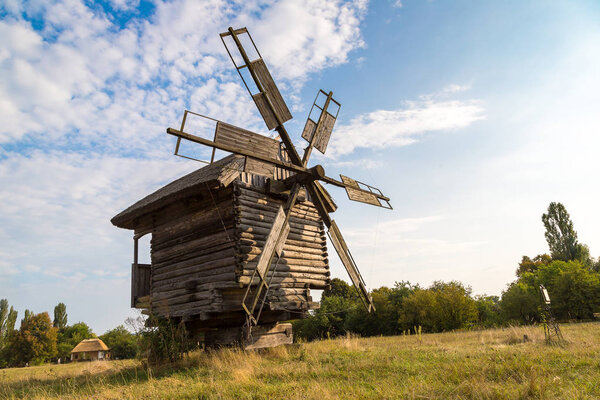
x=34, y=342
x=582, y=254
x=327, y=321
x=339, y=288
x=529, y=265
x=3, y=318
x=596, y=265
x=455, y=306
x=26, y=315
x=419, y=309
x=520, y=303
x=382, y=322
x=560, y=235
x=60, y=316
x=575, y=291
x=488, y=310
x=122, y=343
x=8, y=318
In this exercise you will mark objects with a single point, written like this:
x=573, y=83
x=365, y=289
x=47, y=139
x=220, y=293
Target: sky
x=471, y=116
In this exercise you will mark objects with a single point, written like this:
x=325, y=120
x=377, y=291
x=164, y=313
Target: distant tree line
x=39, y=340
x=571, y=276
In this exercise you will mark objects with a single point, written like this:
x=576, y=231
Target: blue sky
x=471, y=116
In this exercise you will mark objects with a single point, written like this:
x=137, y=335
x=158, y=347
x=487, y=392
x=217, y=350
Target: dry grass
x=490, y=364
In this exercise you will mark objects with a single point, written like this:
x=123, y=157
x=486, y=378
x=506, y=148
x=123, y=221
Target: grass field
x=489, y=364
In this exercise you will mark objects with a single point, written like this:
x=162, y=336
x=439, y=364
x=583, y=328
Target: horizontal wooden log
x=198, y=270
x=293, y=305
x=292, y=274
x=217, y=249
x=251, y=265
x=265, y=213
x=289, y=268
x=250, y=252
x=295, y=233
x=311, y=283
x=190, y=287
x=292, y=297
x=251, y=192
x=260, y=235
x=190, y=298
x=225, y=280
x=296, y=245
x=296, y=224
x=184, y=310
x=197, y=231
x=182, y=284
x=192, y=258
x=186, y=217
x=180, y=206
x=267, y=207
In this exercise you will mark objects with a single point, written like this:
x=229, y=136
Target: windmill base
x=262, y=336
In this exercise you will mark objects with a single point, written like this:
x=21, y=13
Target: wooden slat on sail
x=355, y=194
x=243, y=139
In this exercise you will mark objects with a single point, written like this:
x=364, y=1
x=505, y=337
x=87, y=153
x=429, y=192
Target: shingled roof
x=221, y=172
x=87, y=345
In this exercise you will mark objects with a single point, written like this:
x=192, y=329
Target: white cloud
x=83, y=75
x=361, y=163
x=392, y=128
x=56, y=208
x=124, y=5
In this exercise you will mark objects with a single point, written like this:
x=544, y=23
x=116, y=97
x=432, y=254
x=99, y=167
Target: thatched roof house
x=90, y=349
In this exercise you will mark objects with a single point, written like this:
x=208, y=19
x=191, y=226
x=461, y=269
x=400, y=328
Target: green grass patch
x=489, y=364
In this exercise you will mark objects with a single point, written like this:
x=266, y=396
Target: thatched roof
x=221, y=172
x=90, y=345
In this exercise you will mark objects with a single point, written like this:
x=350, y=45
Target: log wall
x=204, y=252
x=303, y=264
x=193, y=254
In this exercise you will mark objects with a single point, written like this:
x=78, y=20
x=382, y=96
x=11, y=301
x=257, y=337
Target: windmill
x=317, y=132
x=237, y=245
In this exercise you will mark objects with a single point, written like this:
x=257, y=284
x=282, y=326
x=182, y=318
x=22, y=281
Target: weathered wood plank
x=271, y=242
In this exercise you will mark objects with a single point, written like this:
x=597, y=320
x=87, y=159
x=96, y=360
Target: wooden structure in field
x=552, y=331
x=237, y=245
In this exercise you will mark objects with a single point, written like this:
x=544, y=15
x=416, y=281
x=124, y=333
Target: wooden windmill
x=263, y=204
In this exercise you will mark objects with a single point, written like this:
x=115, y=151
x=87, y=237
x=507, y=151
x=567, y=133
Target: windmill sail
x=269, y=91
x=268, y=99
x=318, y=132
x=237, y=140
x=235, y=137
x=344, y=253
x=366, y=194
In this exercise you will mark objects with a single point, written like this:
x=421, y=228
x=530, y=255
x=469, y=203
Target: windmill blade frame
x=285, y=137
x=370, y=195
x=239, y=140
x=317, y=133
x=268, y=99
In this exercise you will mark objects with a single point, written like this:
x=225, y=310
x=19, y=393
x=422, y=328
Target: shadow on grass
x=89, y=382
